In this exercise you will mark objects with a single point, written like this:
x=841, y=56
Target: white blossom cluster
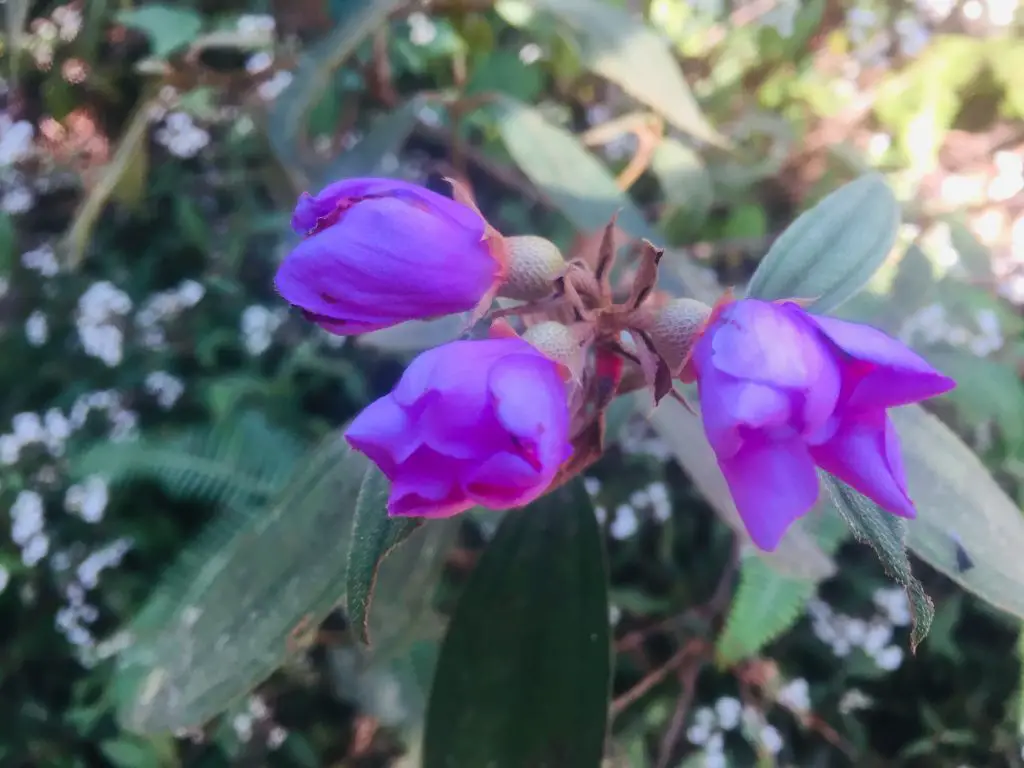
x=710, y=725
x=17, y=144
x=653, y=499
x=50, y=430
x=181, y=136
x=262, y=61
x=258, y=326
x=846, y=633
x=100, y=311
x=270, y=89
x=257, y=717
x=88, y=499
x=73, y=619
x=932, y=325
x=41, y=260
x=165, y=388
x=45, y=34
x=28, y=527
x=163, y=307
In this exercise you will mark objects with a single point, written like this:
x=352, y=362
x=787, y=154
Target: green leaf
x=377, y=153
x=685, y=183
x=287, y=120
x=167, y=27
x=831, y=251
x=767, y=603
x=886, y=534
x=374, y=536
x=243, y=600
x=523, y=674
x=960, y=505
x=503, y=71
x=8, y=243
x=797, y=555
x=621, y=48
x=575, y=181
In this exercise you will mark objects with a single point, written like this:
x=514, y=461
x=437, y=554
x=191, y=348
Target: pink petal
x=426, y=485
x=729, y=406
x=505, y=481
x=864, y=453
x=883, y=372
x=530, y=401
x=384, y=432
x=772, y=484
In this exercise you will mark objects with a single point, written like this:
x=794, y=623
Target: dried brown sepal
x=606, y=255
x=646, y=274
x=587, y=446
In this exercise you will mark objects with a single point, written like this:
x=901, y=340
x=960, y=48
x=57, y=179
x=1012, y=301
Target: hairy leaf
x=832, y=250
x=523, y=675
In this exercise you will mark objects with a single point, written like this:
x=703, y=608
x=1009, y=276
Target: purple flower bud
x=379, y=252
x=783, y=391
x=471, y=422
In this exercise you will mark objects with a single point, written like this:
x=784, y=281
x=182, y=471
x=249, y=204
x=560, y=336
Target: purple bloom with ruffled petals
x=470, y=422
x=783, y=391
x=378, y=252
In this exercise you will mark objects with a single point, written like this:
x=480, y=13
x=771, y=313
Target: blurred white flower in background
x=100, y=309
x=181, y=136
x=88, y=500
x=42, y=260
x=165, y=387
x=258, y=327
x=16, y=140
x=37, y=330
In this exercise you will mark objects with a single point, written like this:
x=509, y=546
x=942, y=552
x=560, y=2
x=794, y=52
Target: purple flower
x=471, y=422
x=783, y=391
x=379, y=252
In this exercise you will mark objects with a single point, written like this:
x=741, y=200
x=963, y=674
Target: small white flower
x=728, y=710
x=614, y=615
x=593, y=485
x=889, y=658
x=15, y=141
x=422, y=31
x=601, y=513
x=258, y=708
x=878, y=636
x=5, y=578
x=625, y=523
x=698, y=734
x=35, y=550
x=853, y=700
x=28, y=427
x=10, y=449
x=242, y=723
x=259, y=62
x=795, y=695
x=705, y=716
x=276, y=737
x=716, y=744
x=37, y=330
x=770, y=739
x=715, y=760
x=274, y=87
x=17, y=200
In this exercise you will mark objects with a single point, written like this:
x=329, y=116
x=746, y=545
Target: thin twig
x=669, y=742
x=694, y=648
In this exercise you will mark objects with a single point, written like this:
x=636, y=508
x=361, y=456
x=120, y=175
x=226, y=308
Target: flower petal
x=730, y=406
x=760, y=341
x=504, y=481
x=864, y=453
x=883, y=372
x=773, y=484
x=529, y=399
x=426, y=485
x=384, y=432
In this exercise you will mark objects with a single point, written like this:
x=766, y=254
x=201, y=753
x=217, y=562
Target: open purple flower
x=378, y=252
x=783, y=391
x=471, y=422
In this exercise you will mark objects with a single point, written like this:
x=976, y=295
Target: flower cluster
x=498, y=421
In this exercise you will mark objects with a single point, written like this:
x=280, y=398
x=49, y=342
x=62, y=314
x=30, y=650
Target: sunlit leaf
x=621, y=48
x=832, y=250
x=961, y=507
x=572, y=178
x=524, y=671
